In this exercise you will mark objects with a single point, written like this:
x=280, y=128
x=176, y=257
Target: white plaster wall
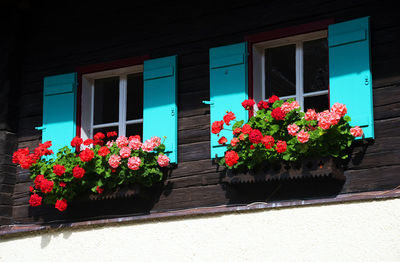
x=362, y=231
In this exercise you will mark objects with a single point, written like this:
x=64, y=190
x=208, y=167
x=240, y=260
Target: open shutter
x=59, y=110
x=350, y=79
x=228, y=88
x=160, y=116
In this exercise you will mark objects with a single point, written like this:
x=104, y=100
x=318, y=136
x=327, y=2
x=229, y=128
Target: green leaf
x=161, y=148
x=237, y=124
x=274, y=128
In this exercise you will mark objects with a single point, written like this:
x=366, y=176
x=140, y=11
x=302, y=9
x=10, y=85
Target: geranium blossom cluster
x=92, y=165
x=281, y=131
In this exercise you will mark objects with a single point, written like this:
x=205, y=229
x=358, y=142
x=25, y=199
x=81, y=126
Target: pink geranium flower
x=134, y=163
x=303, y=136
x=114, y=161
x=292, y=129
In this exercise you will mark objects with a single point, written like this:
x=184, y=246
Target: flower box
x=95, y=169
x=308, y=168
x=117, y=193
x=280, y=132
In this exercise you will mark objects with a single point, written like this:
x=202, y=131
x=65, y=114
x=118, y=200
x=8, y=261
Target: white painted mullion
x=122, y=105
x=134, y=121
x=105, y=125
x=287, y=97
x=299, y=74
x=316, y=93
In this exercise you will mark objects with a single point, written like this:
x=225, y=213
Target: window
x=113, y=101
x=293, y=67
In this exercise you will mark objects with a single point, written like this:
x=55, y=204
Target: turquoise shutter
x=59, y=110
x=228, y=88
x=160, y=115
x=350, y=80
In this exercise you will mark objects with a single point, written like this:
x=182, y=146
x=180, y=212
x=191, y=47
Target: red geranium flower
x=222, y=140
x=35, y=200
x=62, y=184
x=22, y=152
x=111, y=134
x=42, y=150
x=38, y=180
x=229, y=117
x=281, y=146
x=248, y=104
x=76, y=142
x=268, y=142
x=262, y=105
x=61, y=205
x=78, y=172
x=99, y=189
x=86, y=155
x=255, y=136
x=272, y=99
x=231, y=158
x=103, y=151
x=234, y=141
x=237, y=131
x=46, y=186
x=98, y=142
x=58, y=170
x=217, y=126
x=246, y=129
x=99, y=136
x=27, y=161
x=88, y=142
x=136, y=137
x=278, y=114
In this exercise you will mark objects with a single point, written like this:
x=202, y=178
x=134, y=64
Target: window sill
x=16, y=230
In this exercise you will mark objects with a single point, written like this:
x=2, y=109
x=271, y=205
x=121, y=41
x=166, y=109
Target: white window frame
x=87, y=114
x=259, y=65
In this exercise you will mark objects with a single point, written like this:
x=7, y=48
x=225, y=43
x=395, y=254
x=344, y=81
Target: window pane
x=319, y=103
x=134, y=102
x=106, y=97
x=315, y=58
x=134, y=129
x=105, y=130
x=280, y=71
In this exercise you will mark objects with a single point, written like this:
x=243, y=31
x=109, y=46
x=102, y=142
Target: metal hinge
x=40, y=128
x=208, y=102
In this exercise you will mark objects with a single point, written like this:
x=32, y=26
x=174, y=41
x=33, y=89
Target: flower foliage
x=280, y=131
x=91, y=167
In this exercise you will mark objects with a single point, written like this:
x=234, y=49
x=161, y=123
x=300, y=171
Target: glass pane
x=106, y=97
x=105, y=130
x=280, y=71
x=316, y=74
x=134, y=129
x=319, y=103
x=134, y=102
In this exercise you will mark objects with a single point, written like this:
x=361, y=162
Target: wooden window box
x=308, y=168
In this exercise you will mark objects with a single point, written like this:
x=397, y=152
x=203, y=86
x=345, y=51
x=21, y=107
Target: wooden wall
x=60, y=37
